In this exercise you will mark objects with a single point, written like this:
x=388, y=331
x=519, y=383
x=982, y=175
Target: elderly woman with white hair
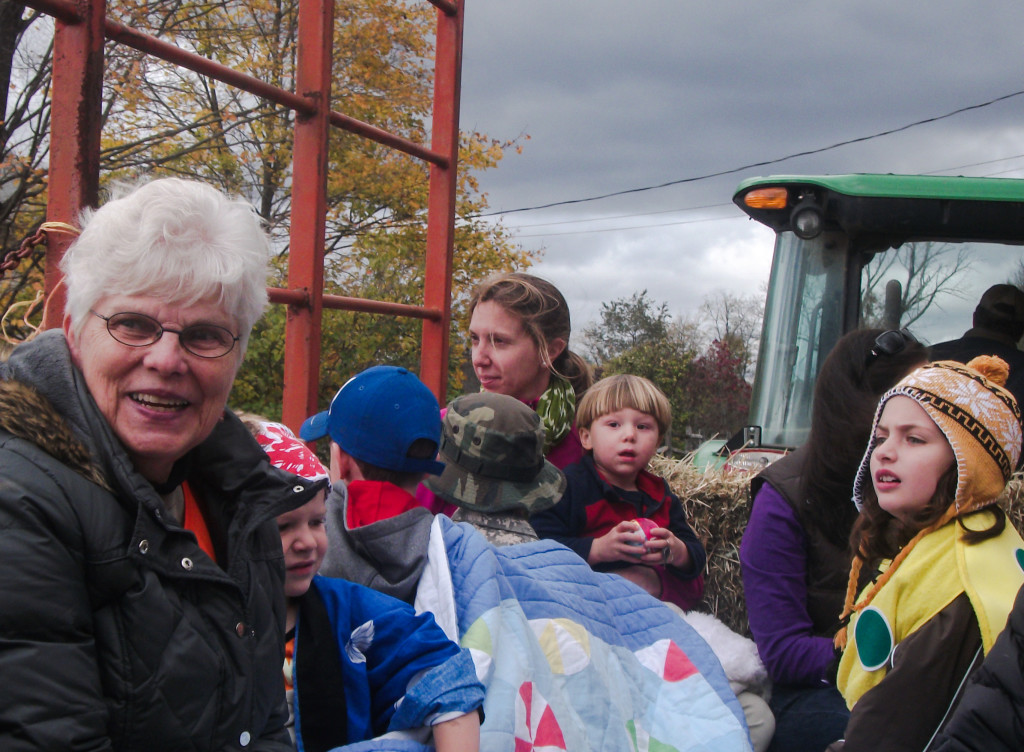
x=141, y=575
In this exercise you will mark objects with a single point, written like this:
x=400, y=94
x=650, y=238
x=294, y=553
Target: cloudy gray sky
x=617, y=96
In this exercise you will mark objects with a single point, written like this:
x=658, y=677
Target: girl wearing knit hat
x=946, y=565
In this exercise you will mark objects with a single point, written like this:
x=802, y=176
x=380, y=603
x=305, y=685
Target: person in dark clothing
x=621, y=421
x=141, y=573
x=990, y=716
x=998, y=325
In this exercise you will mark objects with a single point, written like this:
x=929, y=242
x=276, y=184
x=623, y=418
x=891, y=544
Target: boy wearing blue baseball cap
x=385, y=427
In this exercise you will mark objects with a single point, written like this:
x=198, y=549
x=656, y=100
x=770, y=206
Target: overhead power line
x=633, y=227
x=752, y=165
x=631, y=215
x=977, y=164
x=680, y=210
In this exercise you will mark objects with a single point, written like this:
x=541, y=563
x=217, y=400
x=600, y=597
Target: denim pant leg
x=807, y=719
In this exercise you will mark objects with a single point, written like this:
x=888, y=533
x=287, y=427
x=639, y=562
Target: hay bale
x=717, y=506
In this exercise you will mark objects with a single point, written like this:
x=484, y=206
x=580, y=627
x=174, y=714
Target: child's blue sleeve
x=388, y=651
x=564, y=522
x=451, y=687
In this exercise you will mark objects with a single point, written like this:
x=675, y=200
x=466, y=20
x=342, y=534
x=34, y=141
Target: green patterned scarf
x=556, y=408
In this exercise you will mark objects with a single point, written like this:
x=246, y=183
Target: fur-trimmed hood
x=27, y=414
x=44, y=400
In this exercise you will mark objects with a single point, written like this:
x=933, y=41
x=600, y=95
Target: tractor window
x=802, y=321
x=932, y=287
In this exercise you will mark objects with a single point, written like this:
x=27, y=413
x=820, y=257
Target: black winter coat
x=116, y=631
x=990, y=716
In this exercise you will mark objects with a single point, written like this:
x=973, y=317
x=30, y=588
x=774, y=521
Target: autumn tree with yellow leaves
x=161, y=120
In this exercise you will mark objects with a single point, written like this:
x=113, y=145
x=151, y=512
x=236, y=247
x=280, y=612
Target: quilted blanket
x=574, y=659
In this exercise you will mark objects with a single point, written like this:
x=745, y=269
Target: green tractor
x=891, y=251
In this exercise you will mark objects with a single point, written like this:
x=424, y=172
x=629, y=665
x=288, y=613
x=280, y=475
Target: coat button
x=186, y=564
x=240, y=629
x=244, y=738
x=143, y=546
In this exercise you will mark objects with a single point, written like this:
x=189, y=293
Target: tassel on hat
x=981, y=421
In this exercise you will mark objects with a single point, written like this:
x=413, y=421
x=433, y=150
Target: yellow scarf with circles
x=940, y=567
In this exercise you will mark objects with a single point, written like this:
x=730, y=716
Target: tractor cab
x=889, y=251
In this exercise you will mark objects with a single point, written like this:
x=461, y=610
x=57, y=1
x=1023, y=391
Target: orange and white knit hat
x=979, y=418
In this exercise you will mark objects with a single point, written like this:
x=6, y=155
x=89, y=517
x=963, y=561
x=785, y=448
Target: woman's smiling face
x=160, y=400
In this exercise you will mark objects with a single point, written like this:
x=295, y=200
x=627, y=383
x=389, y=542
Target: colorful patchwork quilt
x=574, y=659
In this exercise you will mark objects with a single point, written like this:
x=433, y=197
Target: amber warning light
x=767, y=198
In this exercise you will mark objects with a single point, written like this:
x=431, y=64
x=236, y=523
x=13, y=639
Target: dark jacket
x=591, y=506
x=977, y=342
x=828, y=565
x=116, y=630
x=923, y=679
x=990, y=717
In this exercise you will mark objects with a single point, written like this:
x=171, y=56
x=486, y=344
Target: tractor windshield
x=822, y=287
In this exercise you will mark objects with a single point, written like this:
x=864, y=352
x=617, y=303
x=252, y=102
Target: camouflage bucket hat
x=493, y=449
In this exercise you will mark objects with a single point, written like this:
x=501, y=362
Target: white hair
x=181, y=241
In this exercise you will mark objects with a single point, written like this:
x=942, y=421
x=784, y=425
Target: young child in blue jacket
x=360, y=664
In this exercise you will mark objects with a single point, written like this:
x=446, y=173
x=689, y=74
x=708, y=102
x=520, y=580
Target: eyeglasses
x=140, y=330
x=892, y=343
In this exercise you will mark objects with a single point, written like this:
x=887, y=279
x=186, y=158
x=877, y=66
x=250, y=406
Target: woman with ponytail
x=519, y=333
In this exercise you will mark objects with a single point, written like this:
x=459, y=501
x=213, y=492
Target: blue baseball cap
x=377, y=415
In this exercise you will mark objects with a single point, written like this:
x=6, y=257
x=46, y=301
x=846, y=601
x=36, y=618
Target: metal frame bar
x=75, y=144
x=441, y=204
x=308, y=214
x=79, y=34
